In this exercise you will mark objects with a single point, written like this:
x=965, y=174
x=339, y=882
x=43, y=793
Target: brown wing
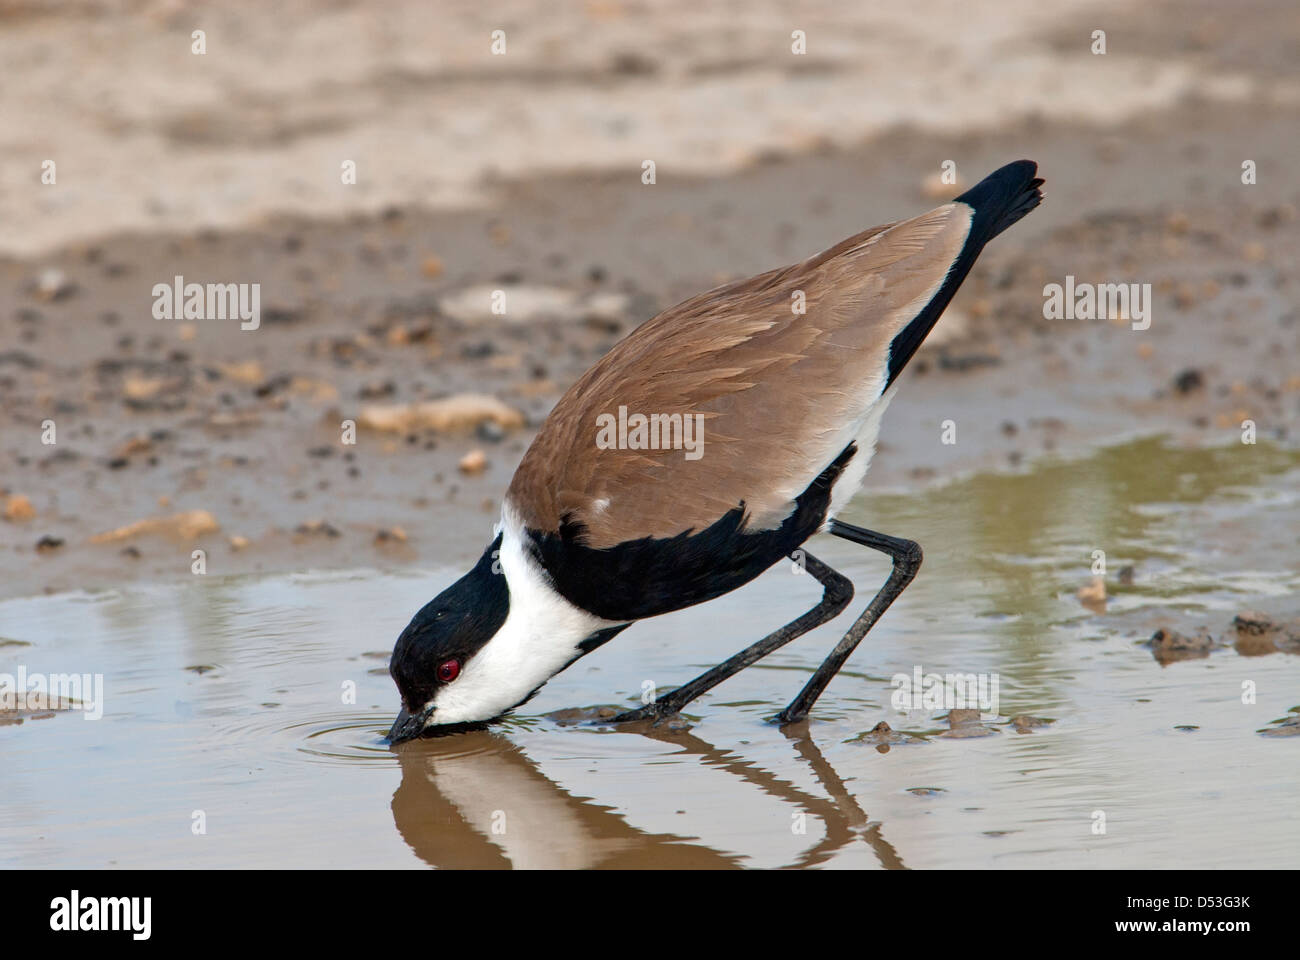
x=780, y=393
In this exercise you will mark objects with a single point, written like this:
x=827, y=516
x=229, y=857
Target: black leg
x=836, y=593
x=907, y=560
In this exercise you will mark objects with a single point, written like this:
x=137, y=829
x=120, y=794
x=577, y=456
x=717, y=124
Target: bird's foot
x=787, y=718
x=648, y=712
x=656, y=712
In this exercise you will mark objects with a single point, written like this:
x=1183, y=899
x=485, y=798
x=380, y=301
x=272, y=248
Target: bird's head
x=434, y=664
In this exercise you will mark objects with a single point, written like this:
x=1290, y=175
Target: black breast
x=650, y=576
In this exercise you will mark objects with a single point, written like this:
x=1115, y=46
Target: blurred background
x=379, y=171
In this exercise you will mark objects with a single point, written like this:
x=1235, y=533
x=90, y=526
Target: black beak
x=408, y=727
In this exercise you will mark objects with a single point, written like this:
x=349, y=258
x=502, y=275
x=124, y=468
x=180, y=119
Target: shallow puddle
x=243, y=718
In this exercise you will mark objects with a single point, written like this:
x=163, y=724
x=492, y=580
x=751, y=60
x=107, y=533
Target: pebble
x=187, y=525
x=53, y=284
x=1093, y=594
x=1026, y=724
x=1259, y=634
x=18, y=507
x=521, y=303
x=1170, y=645
x=1189, y=380
x=459, y=412
x=1290, y=727
x=48, y=543
x=882, y=736
x=317, y=527
x=964, y=724
x=473, y=462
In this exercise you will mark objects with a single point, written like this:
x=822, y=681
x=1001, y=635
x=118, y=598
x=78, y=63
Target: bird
x=706, y=446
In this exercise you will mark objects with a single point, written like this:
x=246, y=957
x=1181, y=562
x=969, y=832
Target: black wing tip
x=998, y=201
x=1002, y=198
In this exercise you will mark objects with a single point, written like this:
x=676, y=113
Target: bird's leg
x=907, y=560
x=837, y=591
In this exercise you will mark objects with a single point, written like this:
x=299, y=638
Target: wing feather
x=781, y=394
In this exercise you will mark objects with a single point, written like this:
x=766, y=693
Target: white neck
x=539, y=638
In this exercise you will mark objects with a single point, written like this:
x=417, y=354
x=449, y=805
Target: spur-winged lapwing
x=785, y=376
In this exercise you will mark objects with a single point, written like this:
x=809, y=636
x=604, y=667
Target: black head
x=443, y=637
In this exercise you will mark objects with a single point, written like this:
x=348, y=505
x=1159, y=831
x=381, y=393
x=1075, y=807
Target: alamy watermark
x=179, y=300
x=952, y=691
x=53, y=691
x=658, y=431
x=75, y=913
x=1098, y=301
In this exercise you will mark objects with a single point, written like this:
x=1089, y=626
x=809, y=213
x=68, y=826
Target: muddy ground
x=239, y=432
x=159, y=417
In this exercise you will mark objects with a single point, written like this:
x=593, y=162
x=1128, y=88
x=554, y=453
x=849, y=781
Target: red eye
x=448, y=670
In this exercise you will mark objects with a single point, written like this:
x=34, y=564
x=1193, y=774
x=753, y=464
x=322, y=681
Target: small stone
x=53, y=284
x=1170, y=645
x=1259, y=634
x=459, y=412
x=1290, y=727
x=1026, y=724
x=18, y=507
x=882, y=736
x=48, y=543
x=1253, y=622
x=187, y=525
x=1093, y=595
x=473, y=462
x=965, y=723
x=317, y=528
x=1189, y=380
x=137, y=443
x=142, y=388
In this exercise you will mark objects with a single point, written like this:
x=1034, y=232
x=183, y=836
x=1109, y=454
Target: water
x=227, y=706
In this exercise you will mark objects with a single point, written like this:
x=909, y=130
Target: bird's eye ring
x=448, y=670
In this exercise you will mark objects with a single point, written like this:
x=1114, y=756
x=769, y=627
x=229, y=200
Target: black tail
x=999, y=200
x=1002, y=198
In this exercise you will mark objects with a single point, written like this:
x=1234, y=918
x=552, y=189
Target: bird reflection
x=477, y=801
